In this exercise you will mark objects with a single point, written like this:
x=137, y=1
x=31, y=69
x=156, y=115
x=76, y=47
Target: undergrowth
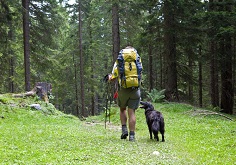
x=46, y=136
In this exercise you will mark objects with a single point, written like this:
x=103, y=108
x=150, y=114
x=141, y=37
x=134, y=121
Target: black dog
x=154, y=119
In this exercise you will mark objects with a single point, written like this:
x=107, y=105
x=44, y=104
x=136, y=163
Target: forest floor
x=47, y=136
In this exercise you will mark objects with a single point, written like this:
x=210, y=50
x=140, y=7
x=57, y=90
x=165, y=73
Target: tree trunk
x=226, y=52
x=76, y=85
x=41, y=89
x=161, y=61
x=115, y=37
x=200, y=77
x=214, y=76
x=115, y=31
x=214, y=71
x=93, y=66
x=81, y=62
x=234, y=67
x=150, y=68
x=190, y=80
x=11, y=73
x=227, y=94
x=9, y=48
x=170, y=52
x=26, y=34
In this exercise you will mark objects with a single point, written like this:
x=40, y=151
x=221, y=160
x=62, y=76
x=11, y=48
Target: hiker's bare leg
x=123, y=120
x=123, y=116
x=132, y=119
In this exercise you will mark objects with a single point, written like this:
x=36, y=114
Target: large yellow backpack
x=129, y=68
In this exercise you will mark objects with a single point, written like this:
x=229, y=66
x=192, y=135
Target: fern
x=156, y=96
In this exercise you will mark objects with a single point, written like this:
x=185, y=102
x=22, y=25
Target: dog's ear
x=141, y=106
x=150, y=106
x=142, y=103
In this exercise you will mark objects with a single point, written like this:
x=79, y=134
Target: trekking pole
x=110, y=99
x=106, y=108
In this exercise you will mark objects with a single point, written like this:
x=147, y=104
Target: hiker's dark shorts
x=129, y=97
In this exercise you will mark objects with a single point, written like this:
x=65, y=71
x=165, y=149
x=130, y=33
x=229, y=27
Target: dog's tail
x=155, y=125
x=162, y=125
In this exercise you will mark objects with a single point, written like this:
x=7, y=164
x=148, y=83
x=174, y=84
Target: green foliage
x=31, y=137
x=3, y=100
x=24, y=102
x=156, y=96
x=54, y=44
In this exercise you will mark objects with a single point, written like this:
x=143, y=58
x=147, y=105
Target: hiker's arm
x=114, y=74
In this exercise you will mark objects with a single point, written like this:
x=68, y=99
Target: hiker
x=128, y=69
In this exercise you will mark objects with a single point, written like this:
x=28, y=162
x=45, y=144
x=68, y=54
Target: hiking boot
x=131, y=138
x=124, y=135
x=124, y=132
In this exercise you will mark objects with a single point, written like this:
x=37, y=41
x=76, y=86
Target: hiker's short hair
x=129, y=47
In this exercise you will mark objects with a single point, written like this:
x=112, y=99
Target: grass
x=49, y=137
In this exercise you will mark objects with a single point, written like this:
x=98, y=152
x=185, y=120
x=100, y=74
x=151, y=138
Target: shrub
x=156, y=96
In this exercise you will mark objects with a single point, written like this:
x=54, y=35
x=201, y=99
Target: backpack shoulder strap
x=138, y=65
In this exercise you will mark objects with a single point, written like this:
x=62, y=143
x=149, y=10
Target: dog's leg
x=162, y=130
x=156, y=136
x=163, y=138
x=162, y=134
x=155, y=133
x=150, y=131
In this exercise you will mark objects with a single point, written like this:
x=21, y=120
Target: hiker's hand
x=107, y=78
